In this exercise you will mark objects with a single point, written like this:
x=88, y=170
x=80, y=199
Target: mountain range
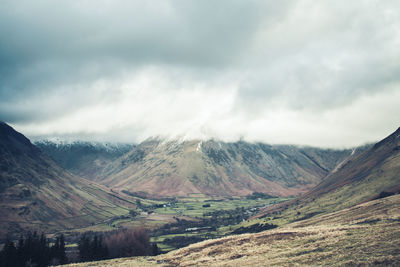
x=84, y=159
x=168, y=168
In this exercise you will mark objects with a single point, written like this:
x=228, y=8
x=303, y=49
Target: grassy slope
x=361, y=179
x=366, y=234
x=220, y=169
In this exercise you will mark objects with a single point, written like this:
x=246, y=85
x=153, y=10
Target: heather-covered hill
x=158, y=168
x=35, y=193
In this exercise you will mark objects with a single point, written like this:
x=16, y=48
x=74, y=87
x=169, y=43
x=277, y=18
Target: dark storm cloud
x=48, y=44
x=85, y=67
x=206, y=33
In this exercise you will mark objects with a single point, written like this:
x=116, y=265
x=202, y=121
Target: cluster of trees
x=170, y=202
x=257, y=195
x=121, y=243
x=227, y=217
x=33, y=250
x=211, y=221
x=92, y=249
x=130, y=242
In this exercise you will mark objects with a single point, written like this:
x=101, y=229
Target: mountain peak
x=12, y=139
x=390, y=140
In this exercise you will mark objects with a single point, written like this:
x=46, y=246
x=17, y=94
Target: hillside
x=364, y=235
x=37, y=194
x=372, y=174
x=158, y=168
x=84, y=159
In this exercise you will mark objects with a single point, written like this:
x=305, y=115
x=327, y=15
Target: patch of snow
x=107, y=146
x=198, y=149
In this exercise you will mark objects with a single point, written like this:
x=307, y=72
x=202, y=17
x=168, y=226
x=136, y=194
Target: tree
x=133, y=213
x=9, y=254
x=32, y=251
x=62, y=256
x=21, y=251
x=84, y=248
x=91, y=250
x=155, y=250
x=58, y=250
x=42, y=254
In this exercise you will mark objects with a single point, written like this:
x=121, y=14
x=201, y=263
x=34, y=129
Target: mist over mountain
x=82, y=158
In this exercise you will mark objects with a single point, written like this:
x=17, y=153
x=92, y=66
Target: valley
x=199, y=133
x=241, y=203
x=366, y=234
x=180, y=222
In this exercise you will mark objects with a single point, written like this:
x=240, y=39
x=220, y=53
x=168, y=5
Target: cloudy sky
x=321, y=73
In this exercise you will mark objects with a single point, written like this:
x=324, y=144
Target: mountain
x=157, y=168
x=37, y=194
x=84, y=159
x=375, y=173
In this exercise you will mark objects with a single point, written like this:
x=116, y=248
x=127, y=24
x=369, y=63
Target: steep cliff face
x=170, y=168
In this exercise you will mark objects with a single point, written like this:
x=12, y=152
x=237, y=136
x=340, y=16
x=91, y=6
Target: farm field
x=182, y=221
x=200, y=219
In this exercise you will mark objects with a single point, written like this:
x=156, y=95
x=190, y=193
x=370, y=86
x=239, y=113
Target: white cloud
x=148, y=104
x=302, y=72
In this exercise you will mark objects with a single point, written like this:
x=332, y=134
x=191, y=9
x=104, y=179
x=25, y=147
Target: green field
x=194, y=208
x=153, y=214
x=204, y=210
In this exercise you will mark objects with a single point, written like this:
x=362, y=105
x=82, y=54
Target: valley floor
x=366, y=234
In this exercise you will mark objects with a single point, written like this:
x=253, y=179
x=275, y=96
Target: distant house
x=193, y=229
